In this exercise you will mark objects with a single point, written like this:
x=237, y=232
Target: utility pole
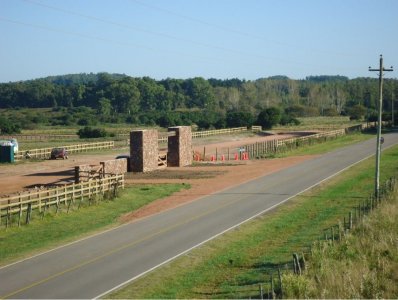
x=392, y=107
x=381, y=69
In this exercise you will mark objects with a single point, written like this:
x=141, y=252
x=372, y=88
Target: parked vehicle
x=59, y=153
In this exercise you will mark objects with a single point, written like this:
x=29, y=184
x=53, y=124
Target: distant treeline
x=107, y=97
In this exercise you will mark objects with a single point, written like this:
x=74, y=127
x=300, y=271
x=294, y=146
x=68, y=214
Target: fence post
x=296, y=264
x=20, y=210
x=272, y=287
x=8, y=217
x=261, y=291
x=280, y=282
x=58, y=200
x=28, y=213
x=350, y=221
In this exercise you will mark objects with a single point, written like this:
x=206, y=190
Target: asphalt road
x=93, y=266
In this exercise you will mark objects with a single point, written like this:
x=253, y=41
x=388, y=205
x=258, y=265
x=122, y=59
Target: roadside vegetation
x=56, y=229
x=233, y=265
x=363, y=265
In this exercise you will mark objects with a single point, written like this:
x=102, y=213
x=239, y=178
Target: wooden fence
x=13, y=208
x=206, y=133
x=40, y=137
x=274, y=146
x=260, y=149
x=45, y=152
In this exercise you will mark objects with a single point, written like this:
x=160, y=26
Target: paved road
x=93, y=266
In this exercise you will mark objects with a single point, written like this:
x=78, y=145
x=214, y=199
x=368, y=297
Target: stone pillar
x=179, y=153
x=144, y=150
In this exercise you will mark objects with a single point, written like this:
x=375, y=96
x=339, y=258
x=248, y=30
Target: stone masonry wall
x=144, y=150
x=180, y=147
x=115, y=166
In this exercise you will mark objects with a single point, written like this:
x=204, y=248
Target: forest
x=89, y=99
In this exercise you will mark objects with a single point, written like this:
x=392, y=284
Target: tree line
x=86, y=99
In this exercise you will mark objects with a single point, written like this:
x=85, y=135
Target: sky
x=245, y=39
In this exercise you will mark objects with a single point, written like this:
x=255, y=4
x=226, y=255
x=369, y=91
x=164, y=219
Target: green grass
x=56, y=229
x=234, y=264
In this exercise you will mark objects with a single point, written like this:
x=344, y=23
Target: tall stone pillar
x=144, y=150
x=179, y=153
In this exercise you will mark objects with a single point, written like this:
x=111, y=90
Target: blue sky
x=246, y=39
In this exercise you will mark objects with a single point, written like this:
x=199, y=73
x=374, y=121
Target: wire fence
x=272, y=287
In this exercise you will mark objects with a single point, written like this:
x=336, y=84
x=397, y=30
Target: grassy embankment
x=55, y=229
x=363, y=265
x=233, y=265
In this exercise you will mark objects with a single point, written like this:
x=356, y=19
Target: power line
x=168, y=36
x=232, y=30
x=106, y=40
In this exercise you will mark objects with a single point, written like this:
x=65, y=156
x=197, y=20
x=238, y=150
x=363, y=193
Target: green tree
x=200, y=92
x=239, y=119
x=104, y=107
x=357, y=112
x=269, y=117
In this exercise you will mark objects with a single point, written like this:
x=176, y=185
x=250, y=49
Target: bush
x=357, y=112
x=269, y=117
x=88, y=132
x=239, y=119
x=8, y=127
x=330, y=112
x=288, y=120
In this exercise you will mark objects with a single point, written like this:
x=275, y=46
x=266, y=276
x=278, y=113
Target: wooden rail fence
x=40, y=137
x=206, y=133
x=12, y=208
x=45, y=152
x=274, y=146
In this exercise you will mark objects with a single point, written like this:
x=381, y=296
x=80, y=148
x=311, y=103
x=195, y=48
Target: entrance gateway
x=144, y=148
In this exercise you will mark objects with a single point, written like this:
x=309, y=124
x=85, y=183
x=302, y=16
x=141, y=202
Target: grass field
x=233, y=265
x=57, y=229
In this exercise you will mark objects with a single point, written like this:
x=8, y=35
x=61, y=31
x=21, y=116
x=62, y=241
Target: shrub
x=88, y=132
x=8, y=127
x=269, y=117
